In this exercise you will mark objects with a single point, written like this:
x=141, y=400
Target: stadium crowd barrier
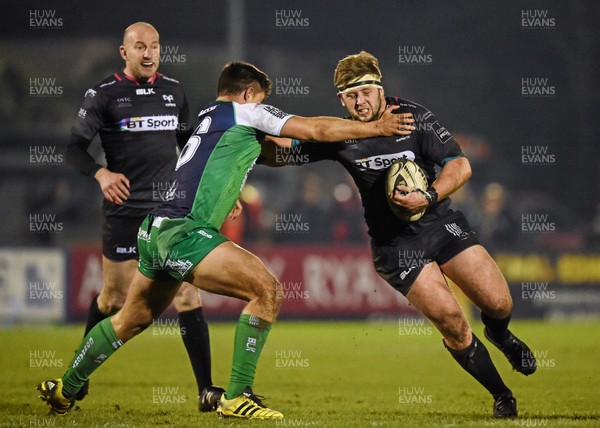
x=57, y=285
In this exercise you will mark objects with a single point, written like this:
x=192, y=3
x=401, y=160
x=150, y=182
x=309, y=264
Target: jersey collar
x=122, y=76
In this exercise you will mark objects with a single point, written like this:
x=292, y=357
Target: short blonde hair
x=353, y=67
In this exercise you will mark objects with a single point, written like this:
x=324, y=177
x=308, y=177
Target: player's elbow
x=467, y=172
x=320, y=131
x=461, y=169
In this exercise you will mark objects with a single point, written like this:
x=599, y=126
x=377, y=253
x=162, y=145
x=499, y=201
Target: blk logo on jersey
x=148, y=123
x=145, y=91
x=383, y=161
x=126, y=250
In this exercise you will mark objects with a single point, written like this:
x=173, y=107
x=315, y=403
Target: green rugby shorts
x=174, y=246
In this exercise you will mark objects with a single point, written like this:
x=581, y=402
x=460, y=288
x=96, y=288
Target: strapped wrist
x=431, y=195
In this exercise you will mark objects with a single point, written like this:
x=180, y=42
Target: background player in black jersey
x=414, y=257
x=141, y=117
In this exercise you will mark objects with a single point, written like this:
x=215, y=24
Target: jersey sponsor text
x=383, y=161
x=275, y=111
x=149, y=123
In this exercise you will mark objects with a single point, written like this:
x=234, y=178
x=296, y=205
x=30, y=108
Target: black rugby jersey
x=138, y=125
x=367, y=160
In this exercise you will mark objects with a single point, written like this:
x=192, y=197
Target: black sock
x=497, y=329
x=476, y=360
x=94, y=316
x=194, y=332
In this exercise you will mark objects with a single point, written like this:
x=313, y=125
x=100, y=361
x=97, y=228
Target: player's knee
x=184, y=305
x=187, y=299
x=127, y=327
x=278, y=298
x=139, y=324
x=455, y=329
x=500, y=308
x=143, y=323
x=110, y=302
x=270, y=294
x=459, y=342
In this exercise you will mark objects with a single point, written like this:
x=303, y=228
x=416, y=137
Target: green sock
x=99, y=344
x=250, y=337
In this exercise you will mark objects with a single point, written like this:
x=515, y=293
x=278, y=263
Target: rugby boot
x=209, y=398
x=518, y=354
x=246, y=405
x=505, y=406
x=51, y=391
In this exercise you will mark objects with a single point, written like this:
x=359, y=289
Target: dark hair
x=237, y=76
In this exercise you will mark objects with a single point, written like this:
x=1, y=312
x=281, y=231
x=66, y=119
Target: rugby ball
x=404, y=172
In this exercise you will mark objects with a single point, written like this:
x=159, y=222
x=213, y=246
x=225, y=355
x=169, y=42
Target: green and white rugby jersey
x=213, y=166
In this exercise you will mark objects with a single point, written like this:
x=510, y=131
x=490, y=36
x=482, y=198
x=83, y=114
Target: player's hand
x=395, y=124
x=413, y=201
x=235, y=211
x=115, y=186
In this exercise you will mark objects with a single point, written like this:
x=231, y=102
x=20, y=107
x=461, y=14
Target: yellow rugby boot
x=51, y=393
x=246, y=405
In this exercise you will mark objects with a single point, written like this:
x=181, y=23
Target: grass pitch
x=319, y=374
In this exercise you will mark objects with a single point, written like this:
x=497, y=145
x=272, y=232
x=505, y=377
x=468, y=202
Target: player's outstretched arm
x=331, y=129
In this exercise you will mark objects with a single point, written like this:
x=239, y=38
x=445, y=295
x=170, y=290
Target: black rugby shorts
x=119, y=236
x=399, y=263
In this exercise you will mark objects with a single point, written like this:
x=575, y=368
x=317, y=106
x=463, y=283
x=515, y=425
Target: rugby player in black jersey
x=141, y=117
x=413, y=257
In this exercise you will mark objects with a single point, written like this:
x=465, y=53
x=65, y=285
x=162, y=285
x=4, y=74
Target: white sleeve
x=263, y=117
